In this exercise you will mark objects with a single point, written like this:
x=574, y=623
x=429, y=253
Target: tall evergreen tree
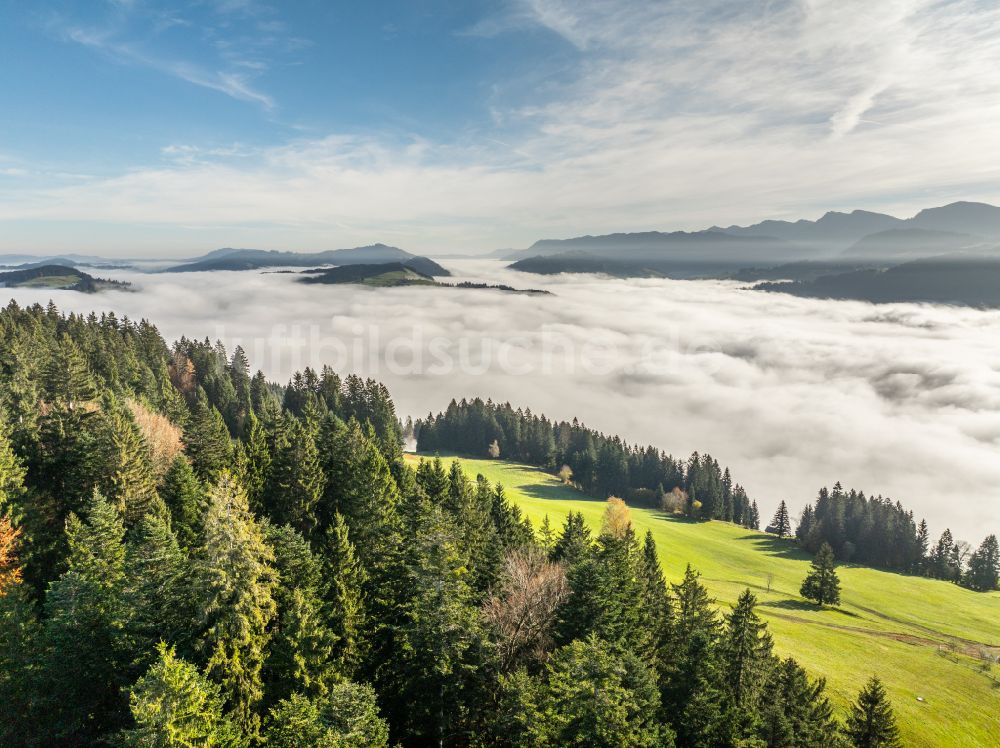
x=296, y=480
x=347, y=717
x=87, y=615
x=344, y=598
x=871, y=722
x=984, y=566
x=794, y=711
x=236, y=583
x=781, y=525
x=440, y=638
x=175, y=706
x=589, y=695
x=821, y=583
x=207, y=440
x=186, y=500
x=129, y=482
x=745, y=651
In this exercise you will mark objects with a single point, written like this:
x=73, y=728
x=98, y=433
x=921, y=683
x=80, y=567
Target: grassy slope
x=913, y=632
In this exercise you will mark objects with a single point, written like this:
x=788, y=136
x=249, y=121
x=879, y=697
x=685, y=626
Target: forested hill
x=191, y=555
x=601, y=465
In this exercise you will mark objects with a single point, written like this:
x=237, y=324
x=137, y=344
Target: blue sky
x=142, y=128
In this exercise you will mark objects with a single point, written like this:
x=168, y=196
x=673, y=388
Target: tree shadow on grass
x=554, y=492
x=774, y=546
x=806, y=605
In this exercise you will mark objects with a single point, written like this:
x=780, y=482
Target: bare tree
x=522, y=610
x=494, y=449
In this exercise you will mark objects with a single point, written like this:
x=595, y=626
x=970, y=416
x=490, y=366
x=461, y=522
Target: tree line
x=190, y=555
x=599, y=464
x=879, y=532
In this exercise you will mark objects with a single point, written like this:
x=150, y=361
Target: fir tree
x=694, y=609
x=207, y=440
x=296, y=481
x=795, y=713
x=589, y=695
x=574, y=542
x=236, y=585
x=440, y=637
x=186, y=500
x=175, y=706
x=780, y=524
x=129, y=483
x=871, y=722
x=344, y=598
x=745, y=651
x=984, y=566
x=87, y=615
x=821, y=583
x=346, y=717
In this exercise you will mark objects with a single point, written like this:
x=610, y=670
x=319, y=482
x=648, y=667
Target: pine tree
x=207, y=440
x=344, y=598
x=159, y=588
x=348, y=716
x=922, y=547
x=257, y=463
x=175, y=706
x=745, y=651
x=87, y=615
x=795, y=713
x=984, y=566
x=129, y=482
x=590, y=695
x=871, y=722
x=754, y=520
x=440, y=637
x=694, y=609
x=236, y=583
x=302, y=650
x=186, y=500
x=574, y=543
x=821, y=583
x=780, y=524
x=656, y=610
x=11, y=473
x=296, y=481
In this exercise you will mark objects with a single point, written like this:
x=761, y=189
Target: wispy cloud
x=233, y=84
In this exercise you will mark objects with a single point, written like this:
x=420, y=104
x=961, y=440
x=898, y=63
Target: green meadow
x=928, y=640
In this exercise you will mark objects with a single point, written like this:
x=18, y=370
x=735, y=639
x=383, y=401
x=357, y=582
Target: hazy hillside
x=253, y=259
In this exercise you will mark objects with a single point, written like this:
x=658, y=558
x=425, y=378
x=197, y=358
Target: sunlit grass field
x=922, y=637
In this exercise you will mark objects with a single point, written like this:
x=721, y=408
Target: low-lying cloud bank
x=792, y=394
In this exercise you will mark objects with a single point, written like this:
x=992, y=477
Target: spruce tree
x=348, y=716
x=794, y=711
x=206, y=440
x=87, y=615
x=129, y=482
x=695, y=613
x=236, y=584
x=295, y=481
x=440, y=638
x=175, y=706
x=344, y=606
x=159, y=590
x=984, y=566
x=745, y=652
x=11, y=473
x=590, y=695
x=781, y=525
x=301, y=659
x=186, y=500
x=821, y=583
x=871, y=722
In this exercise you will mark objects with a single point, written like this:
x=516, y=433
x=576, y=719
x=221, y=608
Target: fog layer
x=791, y=394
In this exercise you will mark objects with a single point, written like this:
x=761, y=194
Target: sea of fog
x=792, y=394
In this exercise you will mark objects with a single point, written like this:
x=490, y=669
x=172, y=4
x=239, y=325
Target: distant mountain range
x=254, y=259
x=873, y=236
